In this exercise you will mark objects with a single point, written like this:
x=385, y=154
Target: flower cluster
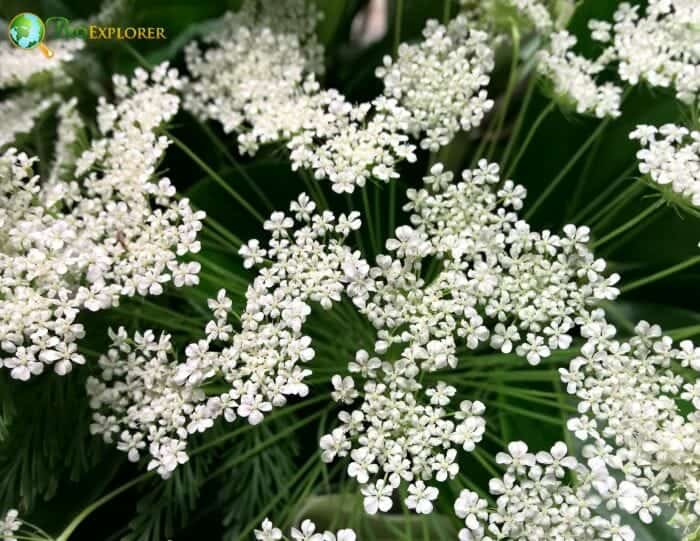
x=21, y=110
x=21, y=67
x=630, y=396
x=70, y=140
x=534, y=500
x=142, y=404
x=145, y=398
x=9, y=526
x=305, y=532
x=659, y=47
x=403, y=432
x=670, y=156
x=441, y=81
x=573, y=78
x=522, y=289
x=500, y=14
x=80, y=244
x=342, y=142
x=501, y=285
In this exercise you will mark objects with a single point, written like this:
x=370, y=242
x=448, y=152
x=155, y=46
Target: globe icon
x=27, y=30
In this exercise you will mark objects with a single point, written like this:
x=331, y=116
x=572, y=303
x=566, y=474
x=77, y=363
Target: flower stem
x=605, y=194
x=397, y=26
x=629, y=224
x=215, y=176
x=567, y=168
x=530, y=134
x=503, y=110
x=529, y=92
x=661, y=274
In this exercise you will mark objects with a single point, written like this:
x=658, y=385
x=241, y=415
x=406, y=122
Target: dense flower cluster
x=630, y=409
x=441, y=81
x=573, y=78
x=535, y=499
x=146, y=398
x=659, y=47
x=342, y=142
x=21, y=67
x=499, y=15
x=500, y=284
x=20, y=112
x=305, y=532
x=10, y=525
x=80, y=244
x=70, y=138
x=670, y=157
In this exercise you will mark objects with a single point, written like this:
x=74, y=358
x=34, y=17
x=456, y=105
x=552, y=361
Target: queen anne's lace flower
x=534, y=500
x=631, y=416
x=660, y=47
x=670, y=157
x=345, y=143
x=20, y=112
x=441, y=81
x=10, y=525
x=142, y=394
x=573, y=78
x=305, y=532
x=68, y=245
x=500, y=285
x=21, y=67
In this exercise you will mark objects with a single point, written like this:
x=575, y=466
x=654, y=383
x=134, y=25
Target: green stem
x=519, y=121
x=237, y=166
x=661, y=274
x=397, y=26
x=573, y=202
x=528, y=138
x=446, y=11
x=609, y=210
x=503, y=110
x=215, y=176
x=66, y=533
x=605, y=194
x=572, y=162
x=627, y=225
x=370, y=221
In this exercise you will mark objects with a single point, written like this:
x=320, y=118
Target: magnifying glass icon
x=28, y=31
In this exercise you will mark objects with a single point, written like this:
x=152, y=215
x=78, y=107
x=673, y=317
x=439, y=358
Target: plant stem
x=370, y=221
x=215, y=176
x=608, y=211
x=605, y=194
x=237, y=166
x=66, y=533
x=661, y=274
x=530, y=134
x=572, y=162
x=446, y=11
x=627, y=225
x=573, y=202
x=519, y=121
x=503, y=110
x=397, y=26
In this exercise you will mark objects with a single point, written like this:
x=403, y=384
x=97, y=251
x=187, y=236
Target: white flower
x=420, y=497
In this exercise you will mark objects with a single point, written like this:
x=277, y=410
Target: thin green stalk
x=215, y=176
x=580, y=182
x=605, y=194
x=392, y=207
x=625, y=238
x=238, y=459
x=73, y=524
x=512, y=77
x=374, y=242
x=241, y=281
x=481, y=456
x=544, y=113
x=234, y=162
x=661, y=274
x=534, y=415
x=446, y=11
x=609, y=210
x=684, y=332
x=572, y=162
x=629, y=224
x=529, y=92
x=397, y=26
